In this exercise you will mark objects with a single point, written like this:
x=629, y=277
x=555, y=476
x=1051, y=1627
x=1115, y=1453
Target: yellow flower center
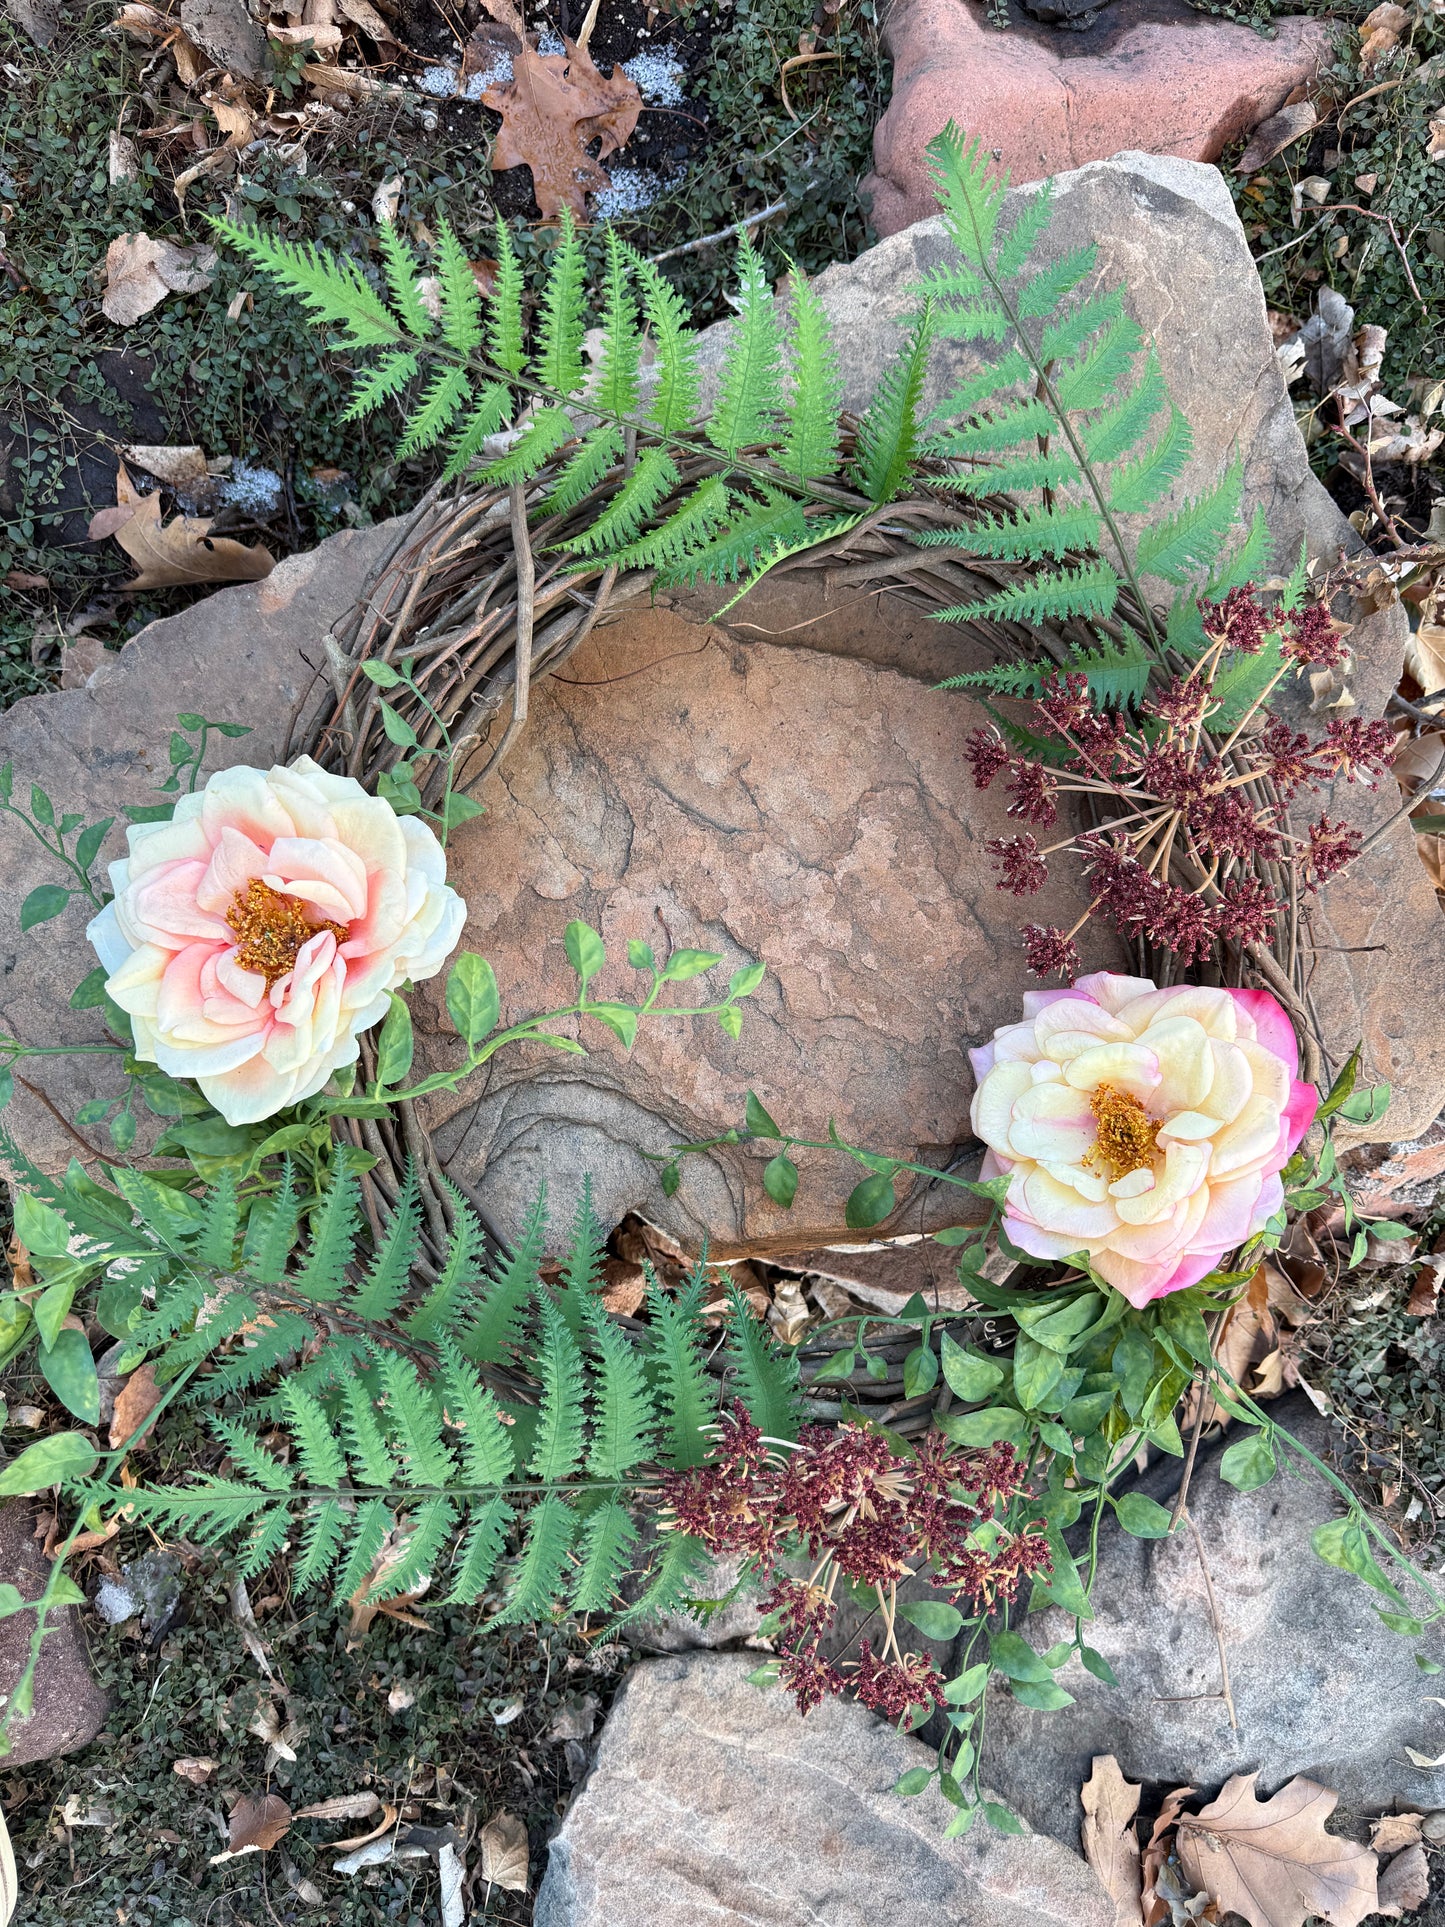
x=1125, y=1140
x=270, y=930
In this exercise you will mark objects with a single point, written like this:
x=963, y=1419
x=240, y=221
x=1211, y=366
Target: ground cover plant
x=389, y=1396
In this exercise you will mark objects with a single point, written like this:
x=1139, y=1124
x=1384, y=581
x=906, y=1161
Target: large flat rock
x=69, y=1708
x=714, y=1801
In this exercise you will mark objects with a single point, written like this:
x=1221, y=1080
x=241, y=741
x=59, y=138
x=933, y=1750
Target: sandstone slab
x=1045, y=102
x=1321, y=1686
x=711, y=1800
x=69, y=1708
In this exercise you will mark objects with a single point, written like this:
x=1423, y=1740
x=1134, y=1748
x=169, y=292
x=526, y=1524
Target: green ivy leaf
x=400, y=791
x=757, y=1119
x=671, y=1179
x=41, y=807
x=995, y=1425
x=460, y=809
x=780, y=1180
x=870, y=1202
x=398, y=729
x=620, y=1019
x=1036, y=1371
x=1013, y=1656
x=968, y=1685
x=70, y=1373
x=87, y=848
x=968, y=1375
x=381, y=673
x=231, y=729
x=683, y=964
x=64, y=1455
x=639, y=954
x=45, y=901
x=473, y=1002
x=1096, y=1664
x=585, y=950
x=39, y=1228
x=730, y=1021
x=920, y=1371
x=841, y=1365
x=7, y=1086
x=1343, y=1543
x=1248, y=1463
x=1141, y=1516
x=89, y=993
x=122, y=1131
x=52, y=1308
x=744, y=982
x=934, y=1618
x=394, y=1045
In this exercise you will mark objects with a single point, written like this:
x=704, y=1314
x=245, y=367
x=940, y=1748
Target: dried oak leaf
x=503, y=1844
x=140, y=272
x=1393, y=1832
x=258, y=1821
x=179, y=551
x=1272, y=136
x=1110, y=1847
x=553, y=108
x=1404, y=1884
x=1271, y=1861
x=137, y=1398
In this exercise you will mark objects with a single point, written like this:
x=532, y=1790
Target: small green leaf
x=780, y=1180
x=999, y=1424
x=916, y=1780
x=181, y=750
x=757, y=1119
x=89, y=993
x=1047, y=1698
x=1142, y=1517
x=52, y=1308
x=934, y=1618
x=1036, y=1369
x=620, y=1019
x=568, y=1044
x=150, y=812
x=39, y=1228
x=41, y=807
x=1248, y=1463
x=960, y=1823
x=956, y=1234
x=460, y=809
x=398, y=729
x=7, y=1086
x=744, y=982
x=122, y=1131
x=999, y=1817
x=683, y=964
x=968, y=1685
x=473, y=1003
x=1096, y=1664
x=841, y=1365
x=671, y=1179
x=64, y=1455
x=920, y=1371
x=400, y=791
x=1402, y=1623
x=969, y=1376
x=394, y=1045
x=585, y=950
x=870, y=1202
x=87, y=848
x=45, y=901
x=1013, y=1656
x=70, y=1373
x=639, y=954
x=1428, y=1666
x=1344, y=1543
x=232, y=729
x=764, y=1675
x=381, y=673
x=730, y=1021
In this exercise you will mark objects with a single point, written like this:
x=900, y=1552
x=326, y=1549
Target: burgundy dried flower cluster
x=1200, y=826
x=860, y=1512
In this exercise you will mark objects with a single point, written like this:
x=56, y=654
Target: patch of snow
x=549, y=41
x=659, y=77
x=475, y=85
x=439, y=82
x=633, y=190
x=252, y=487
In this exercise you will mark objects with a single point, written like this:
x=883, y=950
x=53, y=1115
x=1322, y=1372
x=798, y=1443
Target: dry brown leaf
x=362, y=14
x=345, y=1806
x=503, y=1843
x=1271, y=1861
x=1272, y=136
x=553, y=108
x=1404, y=1885
x=144, y=23
x=134, y=1403
x=178, y=465
x=258, y=1821
x=365, y=1606
x=1110, y=1803
x=179, y=551
x=233, y=119
x=624, y=1287
x=1425, y=657
x=1157, y=1852
x=388, y=1819
x=140, y=272
x=1393, y=1832
x=197, y=1771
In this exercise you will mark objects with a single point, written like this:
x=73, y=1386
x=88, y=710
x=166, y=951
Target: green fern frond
x=1117, y=430
x=1172, y=549
x=496, y=1325
x=389, y=1274
x=276, y=1339
x=365, y=1445
x=370, y=1524
x=1246, y=563
x=582, y=1265
x=319, y=1452
x=485, y=1446
x=1051, y=596
x=980, y=320
x=810, y=438
x=481, y=1550
x=415, y=1423
x=333, y=1236
x=685, y=534
x=331, y=287
x=1117, y=672
x=390, y=375
x=676, y=383
x=441, y=1311
x=654, y=477
x=431, y=1528
x=216, y=1241
x=1019, y=475
x=461, y=298
x=888, y=438
x=557, y=363
x=538, y=442
x=1020, y=679
x=265, y=1540
x=603, y=1557
x=1031, y=533
x=1138, y=483
x=251, y=1457
x=1063, y=335
x=622, y=1415
x=536, y=1579
x=686, y=1393
x=1018, y=244
x=271, y=1231
x=321, y=1536
x=403, y=272
x=505, y=333
x=489, y=413
x=993, y=380
x=584, y=468
x=437, y=410
x=763, y=1375
x=970, y=196
x=615, y=389
x=1045, y=289
x=1094, y=375
x=1241, y=680
x=1024, y=420
x=761, y=530
x=750, y=377
x=679, y=1568
x=557, y=1448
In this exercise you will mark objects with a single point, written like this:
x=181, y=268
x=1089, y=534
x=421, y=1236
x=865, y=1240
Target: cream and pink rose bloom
x=1143, y=1128
x=254, y=937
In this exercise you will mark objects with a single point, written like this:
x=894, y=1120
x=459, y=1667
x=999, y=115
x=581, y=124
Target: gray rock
x=1320, y=1685
x=712, y=1800
x=225, y=30
x=69, y=1708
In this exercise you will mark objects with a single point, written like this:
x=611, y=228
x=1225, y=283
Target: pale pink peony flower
x=254, y=937
x=1144, y=1128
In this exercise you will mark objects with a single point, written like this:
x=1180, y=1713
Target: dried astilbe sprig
x=1184, y=796
x=859, y=1511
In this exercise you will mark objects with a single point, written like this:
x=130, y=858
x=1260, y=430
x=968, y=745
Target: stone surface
x=1320, y=1686
x=785, y=785
x=69, y=1708
x=713, y=1801
x=240, y=656
x=225, y=30
x=1046, y=102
